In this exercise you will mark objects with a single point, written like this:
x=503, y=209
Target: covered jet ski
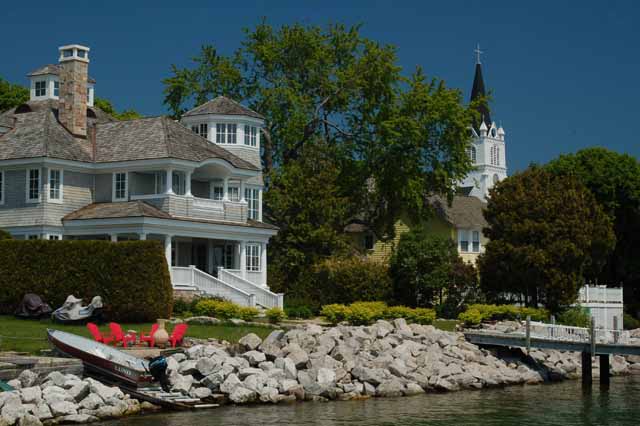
x=32, y=307
x=72, y=311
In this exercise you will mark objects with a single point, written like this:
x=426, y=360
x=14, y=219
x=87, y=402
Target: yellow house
x=462, y=221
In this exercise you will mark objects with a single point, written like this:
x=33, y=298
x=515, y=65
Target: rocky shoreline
x=309, y=363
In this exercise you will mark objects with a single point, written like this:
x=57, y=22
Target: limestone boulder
x=250, y=342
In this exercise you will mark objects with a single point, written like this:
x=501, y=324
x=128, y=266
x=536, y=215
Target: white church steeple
x=487, y=150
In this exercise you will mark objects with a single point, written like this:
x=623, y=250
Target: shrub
x=301, y=312
x=248, y=313
x=335, y=313
x=630, y=323
x=477, y=313
x=275, y=315
x=423, y=316
x=131, y=277
x=576, y=317
x=4, y=235
x=216, y=308
x=394, y=312
x=350, y=280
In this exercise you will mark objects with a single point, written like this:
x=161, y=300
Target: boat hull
x=119, y=371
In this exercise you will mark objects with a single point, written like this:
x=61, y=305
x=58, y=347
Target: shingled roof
x=51, y=69
x=142, y=209
x=154, y=138
x=223, y=106
x=463, y=212
x=38, y=133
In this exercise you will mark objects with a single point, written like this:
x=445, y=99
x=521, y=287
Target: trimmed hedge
x=131, y=277
x=475, y=314
x=364, y=313
x=224, y=310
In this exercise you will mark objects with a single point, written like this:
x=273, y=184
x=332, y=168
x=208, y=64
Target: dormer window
x=41, y=88
x=226, y=133
x=201, y=129
x=250, y=135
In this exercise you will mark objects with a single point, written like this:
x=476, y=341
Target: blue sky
x=564, y=74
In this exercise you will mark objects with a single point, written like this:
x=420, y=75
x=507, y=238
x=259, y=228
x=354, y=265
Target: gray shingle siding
x=16, y=211
x=77, y=193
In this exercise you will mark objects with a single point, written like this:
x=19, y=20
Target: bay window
x=55, y=184
x=41, y=88
x=178, y=183
x=226, y=133
x=250, y=135
x=33, y=185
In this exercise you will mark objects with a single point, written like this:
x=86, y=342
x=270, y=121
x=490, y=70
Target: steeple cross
x=478, y=52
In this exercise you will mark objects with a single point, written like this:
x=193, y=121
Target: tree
x=614, y=180
x=346, y=133
x=12, y=95
x=107, y=106
x=547, y=233
x=425, y=268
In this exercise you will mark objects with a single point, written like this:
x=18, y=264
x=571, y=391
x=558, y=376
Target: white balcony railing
x=197, y=208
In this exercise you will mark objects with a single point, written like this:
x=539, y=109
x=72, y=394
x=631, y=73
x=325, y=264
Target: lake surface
x=550, y=404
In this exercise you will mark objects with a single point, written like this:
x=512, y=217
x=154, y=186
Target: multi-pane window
x=178, y=182
x=253, y=202
x=463, y=236
x=495, y=155
x=234, y=193
x=33, y=189
x=53, y=237
x=218, y=192
x=226, y=133
x=56, y=89
x=250, y=135
x=33, y=237
x=253, y=257
x=228, y=256
x=55, y=184
x=120, y=186
x=201, y=129
x=472, y=154
x=41, y=88
x=1, y=187
x=475, y=241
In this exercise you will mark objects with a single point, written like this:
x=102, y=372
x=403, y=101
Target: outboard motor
x=158, y=369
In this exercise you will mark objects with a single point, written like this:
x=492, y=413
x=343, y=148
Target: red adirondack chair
x=149, y=337
x=178, y=334
x=97, y=335
x=119, y=336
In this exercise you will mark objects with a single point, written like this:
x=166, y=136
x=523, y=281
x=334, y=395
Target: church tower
x=487, y=150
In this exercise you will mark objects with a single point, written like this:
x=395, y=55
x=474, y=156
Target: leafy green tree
x=333, y=86
x=107, y=106
x=12, y=95
x=423, y=268
x=547, y=233
x=614, y=180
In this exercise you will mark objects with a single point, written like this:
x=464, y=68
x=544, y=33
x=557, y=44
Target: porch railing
x=192, y=277
x=264, y=297
x=197, y=208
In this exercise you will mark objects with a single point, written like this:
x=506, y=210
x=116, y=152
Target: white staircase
x=228, y=286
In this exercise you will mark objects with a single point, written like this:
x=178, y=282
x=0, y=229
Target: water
x=551, y=404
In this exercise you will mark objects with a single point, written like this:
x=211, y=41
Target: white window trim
x=113, y=187
x=28, y=237
x=479, y=241
x=467, y=233
x=48, y=187
x=258, y=256
x=33, y=200
x=257, y=200
x=48, y=237
x=2, y=186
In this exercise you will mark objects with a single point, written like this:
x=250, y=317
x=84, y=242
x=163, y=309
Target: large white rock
x=63, y=408
x=31, y=395
x=79, y=419
x=254, y=357
x=391, y=387
x=29, y=420
x=289, y=367
x=12, y=408
x=56, y=378
x=230, y=384
x=326, y=377
x=91, y=402
x=42, y=411
x=200, y=392
x=250, y=342
x=79, y=391
x=28, y=378
x=242, y=395
x=206, y=366
x=299, y=358
x=183, y=384
x=103, y=391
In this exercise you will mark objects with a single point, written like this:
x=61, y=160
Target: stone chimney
x=72, y=103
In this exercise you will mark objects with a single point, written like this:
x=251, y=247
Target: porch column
x=187, y=184
x=114, y=238
x=142, y=236
x=243, y=259
x=210, y=257
x=169, y=188
x=242, y=197
x=225, y=189
x=263, y=263
x=167, y=249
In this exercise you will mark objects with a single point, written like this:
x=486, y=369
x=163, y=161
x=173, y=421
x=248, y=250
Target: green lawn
x=30, y=335
x=446, y=325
